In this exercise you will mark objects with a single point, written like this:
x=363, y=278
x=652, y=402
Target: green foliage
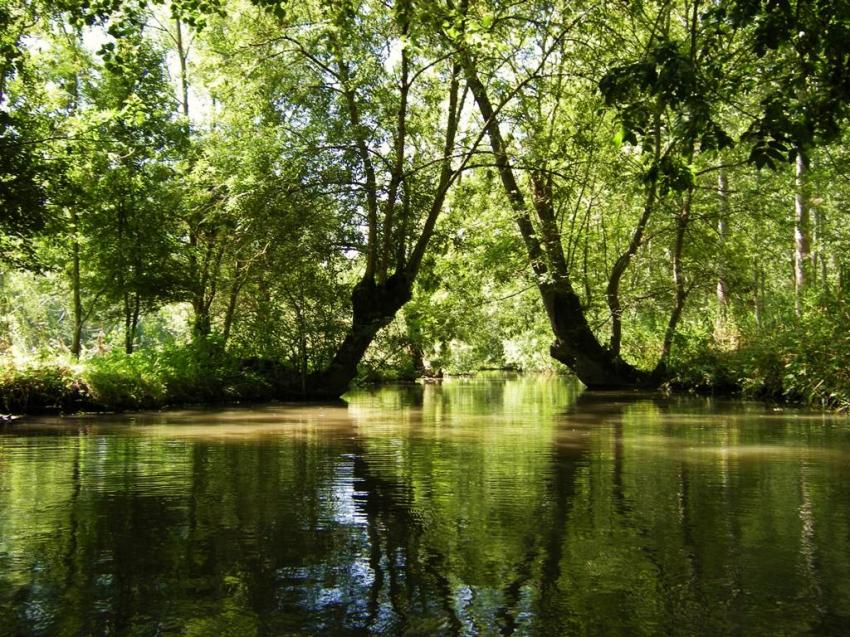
x=119, y=381
x=39, y=388
x=804, y=363
x=227, y=174
x=199, y=373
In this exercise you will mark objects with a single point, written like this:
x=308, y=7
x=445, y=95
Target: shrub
x=119, y=381
x=40, y=388
x=803, y=363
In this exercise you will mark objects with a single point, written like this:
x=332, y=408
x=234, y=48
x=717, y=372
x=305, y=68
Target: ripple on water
x=476, y=507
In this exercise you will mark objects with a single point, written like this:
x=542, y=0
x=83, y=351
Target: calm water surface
x=476, y=507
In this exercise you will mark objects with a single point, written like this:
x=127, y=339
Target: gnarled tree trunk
x=575, y=344
x=374, y=307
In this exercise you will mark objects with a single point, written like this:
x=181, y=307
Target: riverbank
x=802, y=365
x=796, y=373
x=142, y=380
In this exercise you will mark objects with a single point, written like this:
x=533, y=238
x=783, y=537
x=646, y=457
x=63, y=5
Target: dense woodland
x=215, y=199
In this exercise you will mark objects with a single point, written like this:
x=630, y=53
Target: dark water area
x=477, y=507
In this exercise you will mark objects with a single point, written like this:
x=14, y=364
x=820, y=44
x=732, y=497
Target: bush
x=803, y=363
x=119, y=381
x=147, y=379
x=40, y=388
x=199, y=373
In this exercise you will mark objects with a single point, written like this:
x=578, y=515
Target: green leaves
x=671, y=174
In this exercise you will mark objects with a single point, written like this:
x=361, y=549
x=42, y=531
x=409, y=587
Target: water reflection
x=501, y=506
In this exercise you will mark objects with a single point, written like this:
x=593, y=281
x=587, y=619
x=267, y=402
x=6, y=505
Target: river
x=485, y=506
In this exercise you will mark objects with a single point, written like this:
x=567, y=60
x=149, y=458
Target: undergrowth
x=199, y=374
x=803, y=363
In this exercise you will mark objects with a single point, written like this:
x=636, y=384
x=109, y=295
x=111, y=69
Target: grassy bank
x=144, y=380
x=804, y=364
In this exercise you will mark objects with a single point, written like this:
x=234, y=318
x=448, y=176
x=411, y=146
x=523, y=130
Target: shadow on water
x=518, y=506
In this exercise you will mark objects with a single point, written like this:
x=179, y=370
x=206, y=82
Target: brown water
x=479, y=507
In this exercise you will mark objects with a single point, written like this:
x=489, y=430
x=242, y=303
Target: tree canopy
x=330, y=188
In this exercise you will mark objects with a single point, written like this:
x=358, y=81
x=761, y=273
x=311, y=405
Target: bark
x=802, y=231
x=612, y=292
x=359, y=133
x=235, y=288
x=207, y=285
x=132, y=309
x=377, y=298
x=374, y=307
x=398, y=163
x=819, y=261
x=200, y=272
x=681, y=291
x=722, y=233
x=77, y=337
x=575, y=343
x=183, y=58
x=202, y=325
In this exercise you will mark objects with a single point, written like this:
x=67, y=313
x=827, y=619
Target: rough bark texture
x=576, y=346
x=374, y=307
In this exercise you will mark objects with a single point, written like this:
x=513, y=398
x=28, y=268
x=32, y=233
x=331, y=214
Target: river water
x=486, y=506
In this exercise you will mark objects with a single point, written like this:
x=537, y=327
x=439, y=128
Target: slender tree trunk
x=183, y=58
x=128, y=325
x=5, y=323
x=132, y=309
x=680, y=289
x=802, y=223
x=76, y=339
x=302, y=346
x=612, y=292
x=819, y=260
x=722, y=233
x=137, y=306
x=202, y=324
x=230, y=313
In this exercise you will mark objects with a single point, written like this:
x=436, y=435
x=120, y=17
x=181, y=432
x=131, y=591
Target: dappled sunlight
x=311, y=516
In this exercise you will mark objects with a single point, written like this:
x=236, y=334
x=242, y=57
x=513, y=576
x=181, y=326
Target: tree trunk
x=575, y=344
x=374, y=307
x=183, y=59
x=128, y=327
x=202, y=325
x=722, y=233
x=76, y=340
x=230, y=313
x=131, y=321
x=819, y=261
x=612, y=292
x=5, y=323
x=681, y=292
x=801, y=231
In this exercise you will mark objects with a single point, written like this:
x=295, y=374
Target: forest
x=236, y=200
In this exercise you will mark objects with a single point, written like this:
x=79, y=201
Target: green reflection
x=479, y=506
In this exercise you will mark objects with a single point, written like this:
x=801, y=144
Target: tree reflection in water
x=494, y=506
